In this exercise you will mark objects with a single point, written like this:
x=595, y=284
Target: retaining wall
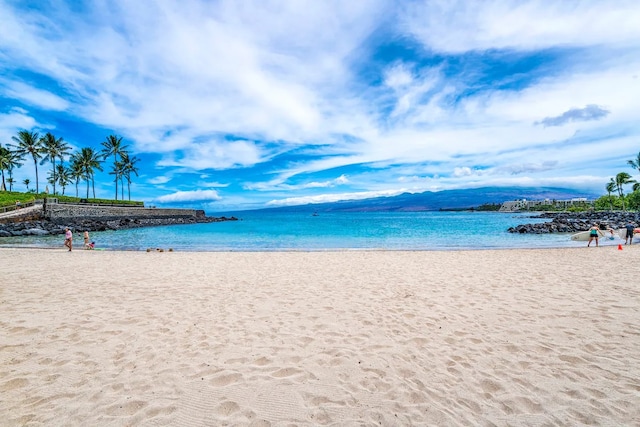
x=56, y=211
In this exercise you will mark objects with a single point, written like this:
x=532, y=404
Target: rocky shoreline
x=567, y=222
x=38, y=225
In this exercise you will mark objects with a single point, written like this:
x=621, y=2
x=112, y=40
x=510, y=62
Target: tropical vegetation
x=66, y=168
x=618, y=185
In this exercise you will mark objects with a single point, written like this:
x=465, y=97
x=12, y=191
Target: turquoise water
x=273, y=231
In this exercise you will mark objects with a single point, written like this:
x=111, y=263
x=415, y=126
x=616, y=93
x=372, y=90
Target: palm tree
x=50, y=177
x=611, y=187
x=64, y=177
x=30, y=143
x=118, y=170
x=54, y=148
x=4, y=162
x=113, y=146
x=635, y=163
x=130, y=168
x=89, y=161
x=15, y=161
x=622, y=178
x=26, y=182
x=75, y=172
x=8, y=161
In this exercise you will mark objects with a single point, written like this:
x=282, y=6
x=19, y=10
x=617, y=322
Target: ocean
x=301, y=231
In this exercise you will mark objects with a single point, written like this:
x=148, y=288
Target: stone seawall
x=55, y=217
x=61, y=212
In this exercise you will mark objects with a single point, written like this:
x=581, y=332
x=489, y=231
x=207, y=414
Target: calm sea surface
x=270, y=231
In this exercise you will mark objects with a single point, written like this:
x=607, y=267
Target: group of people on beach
x=68, y=240
x=594, y=233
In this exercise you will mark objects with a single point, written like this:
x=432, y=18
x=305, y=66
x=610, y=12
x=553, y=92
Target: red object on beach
x=619, y=247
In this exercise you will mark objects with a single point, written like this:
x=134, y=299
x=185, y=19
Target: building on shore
x=527, y=205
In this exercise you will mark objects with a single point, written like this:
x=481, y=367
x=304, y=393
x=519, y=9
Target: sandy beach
x=507, y=338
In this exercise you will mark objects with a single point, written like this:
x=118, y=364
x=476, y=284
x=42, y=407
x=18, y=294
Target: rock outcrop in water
x=566, y=222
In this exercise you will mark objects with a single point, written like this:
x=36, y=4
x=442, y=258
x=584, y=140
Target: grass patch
x=9, y=198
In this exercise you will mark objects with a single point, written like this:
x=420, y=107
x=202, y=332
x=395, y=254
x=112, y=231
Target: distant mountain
x=447, y=199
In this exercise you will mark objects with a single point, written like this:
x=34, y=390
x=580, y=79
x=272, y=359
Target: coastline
x=356, y=231
x=516, y=336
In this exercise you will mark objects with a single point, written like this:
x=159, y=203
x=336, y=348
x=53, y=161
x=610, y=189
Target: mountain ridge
x=440, y=200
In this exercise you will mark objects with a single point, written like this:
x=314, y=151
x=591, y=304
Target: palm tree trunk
x=621, y=198
x=54, y=176
x=35, y=163
x=115, y=160
x=93, y=185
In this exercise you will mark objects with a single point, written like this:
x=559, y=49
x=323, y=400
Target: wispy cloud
x=189, y=196
x=461, y=26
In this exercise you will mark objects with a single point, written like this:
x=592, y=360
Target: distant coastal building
x=526, y=205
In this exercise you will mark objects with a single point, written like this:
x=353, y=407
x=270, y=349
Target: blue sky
x=249, y=104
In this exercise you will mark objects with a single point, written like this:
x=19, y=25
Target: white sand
x=506, y=338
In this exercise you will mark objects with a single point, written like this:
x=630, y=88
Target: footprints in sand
x=128, y=407
x=14, y=384
x=227, y=408
x=286, y=372
x=262, y=361
x=225, y=379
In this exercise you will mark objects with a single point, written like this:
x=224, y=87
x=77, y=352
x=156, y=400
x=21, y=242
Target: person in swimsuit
x=86, y=239
x=593, y=234
x=68, y=238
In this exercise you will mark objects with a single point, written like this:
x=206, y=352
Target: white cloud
x=189, y=196
x=463, y=171
x=327, y=198
x=279, y=184
x=398, y=76
x=33, y=96
x=15, y=120
x=215, y=154
x=461, y=26
x=159, y=180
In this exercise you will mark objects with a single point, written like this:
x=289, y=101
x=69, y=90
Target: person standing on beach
x=593, y=234
x=68, y=238
x=86, y=239
x=629, y=235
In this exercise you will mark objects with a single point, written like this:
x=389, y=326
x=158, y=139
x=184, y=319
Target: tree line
x=617, y=184
x=81, y=165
